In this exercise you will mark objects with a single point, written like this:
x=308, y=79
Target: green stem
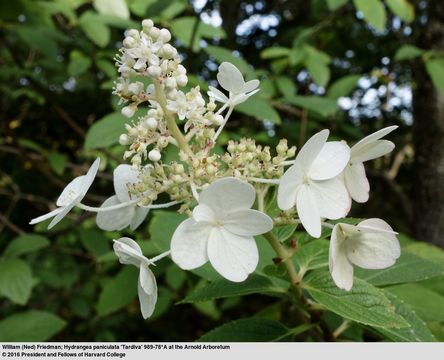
x=170, y=120
x=283, y=253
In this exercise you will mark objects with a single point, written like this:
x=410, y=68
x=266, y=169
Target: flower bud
x=171, y=82
x=154, y=32
x=218, y=119
x=154, y=71
x=136, y=88
x=150, y=123
x=182, y=80
x=124, y=139
x=179, y=169
x=165, y=35
x=282, y=147
x=169, y=51
x=291, y=152
x=133, y=33
x=128, y=111
x=129, y=42
x=154, y=155
x=147, y=24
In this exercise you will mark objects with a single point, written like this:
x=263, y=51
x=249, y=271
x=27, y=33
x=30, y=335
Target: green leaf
x=183, y=29
x=408, y=268
x=335, y=4
x=112, y=7
x=94, y=28
x=175, y=277
x=373, y=11
x=284, y=232
x=408, y=52
x=162, y=227
x=275, y=52
x=94, y=241
x=118, y=292
x=364, y=303
x=417, y=329
x=247, y=330
x=425, y=302
x=260, y=109
x=435, y=68
x=79, y=63
x=403, y=9
x=313, y=255
x=57, y=162
x=343, y=86
x=426, y=251
x=139, y=7
x=319, y=105
x=317, y=62
x=34, y=325
x=286, y=86
x=106, y=131
x=223, y=288
x=16, y=280
x=24, y=244
x=221, y=54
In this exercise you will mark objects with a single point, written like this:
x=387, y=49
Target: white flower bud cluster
x=146, y=138
x=147, y=53
x=245, y=159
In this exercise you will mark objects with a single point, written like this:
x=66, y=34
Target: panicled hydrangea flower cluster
x=219, y=191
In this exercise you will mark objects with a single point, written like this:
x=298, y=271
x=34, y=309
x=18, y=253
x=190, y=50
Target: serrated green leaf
x=364, y=304
x=373, y=11
x=408, y=52
x=221, y=54
x=319, y=105
x=118, y=292
x=251, y=330
x=417, y=329
x=16, y=280
x=435, y=69
x=24, y=244
x=425, y=302
x=260, y=109
x=403, y=9
x=95, y=29
x=313, y=255
x=426, y=251
x=335, y=4
x=284, y=232
x=223, y=288
x=34, y=325
x=343, y=86
x=408, y=268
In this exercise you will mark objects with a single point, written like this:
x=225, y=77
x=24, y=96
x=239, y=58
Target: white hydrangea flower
x=231, y=79
x=372, y=244
x=129, y=253
x=312, y=183
x=221, y=231
x=71, y=195
x=369, y=148
x=132, y=215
